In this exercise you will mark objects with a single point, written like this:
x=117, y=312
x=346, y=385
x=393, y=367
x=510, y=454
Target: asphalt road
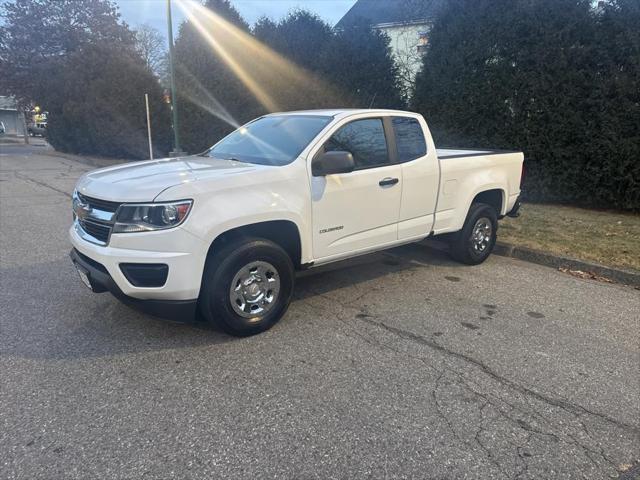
x=397, y=365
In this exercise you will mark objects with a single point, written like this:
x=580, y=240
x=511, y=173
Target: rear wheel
x=475, y=242
x=247, y=286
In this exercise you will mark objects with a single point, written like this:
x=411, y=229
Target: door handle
x=388, y=181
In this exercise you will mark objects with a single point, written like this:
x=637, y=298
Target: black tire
x=221, y=268
x=464, y=248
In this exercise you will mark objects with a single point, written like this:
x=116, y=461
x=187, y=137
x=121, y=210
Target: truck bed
x=445, y=153
x=464, y=173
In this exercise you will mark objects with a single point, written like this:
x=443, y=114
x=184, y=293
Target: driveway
x=401, y=364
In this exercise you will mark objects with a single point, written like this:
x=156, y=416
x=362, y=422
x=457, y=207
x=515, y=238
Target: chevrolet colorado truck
x=224, y=231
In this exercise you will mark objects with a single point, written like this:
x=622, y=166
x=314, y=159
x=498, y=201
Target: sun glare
x=257, y=66
x=196, y=93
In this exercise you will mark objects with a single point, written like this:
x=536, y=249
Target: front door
x=357, y=211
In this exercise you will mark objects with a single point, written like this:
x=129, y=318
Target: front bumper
x=101, y=281
x=183, y=253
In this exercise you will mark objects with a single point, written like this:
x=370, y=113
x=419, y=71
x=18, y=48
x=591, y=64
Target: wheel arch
x=284, y=233
x=494, y=197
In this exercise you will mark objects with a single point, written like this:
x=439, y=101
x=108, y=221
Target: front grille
x=97, y=230
x=96, y=221
x=104, y=205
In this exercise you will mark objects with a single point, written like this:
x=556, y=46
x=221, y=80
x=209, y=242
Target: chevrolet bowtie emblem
x=82, y=210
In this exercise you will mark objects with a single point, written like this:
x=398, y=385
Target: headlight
x=145, y=217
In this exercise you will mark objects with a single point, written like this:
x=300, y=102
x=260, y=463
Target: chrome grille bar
x=94, y=218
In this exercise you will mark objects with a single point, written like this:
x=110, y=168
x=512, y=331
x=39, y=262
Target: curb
x=626, y=277
x=11, y=141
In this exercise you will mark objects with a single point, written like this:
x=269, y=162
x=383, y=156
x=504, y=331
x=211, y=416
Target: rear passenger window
x=409, y=138
x=364, y=139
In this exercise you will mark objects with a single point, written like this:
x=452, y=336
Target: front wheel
x=475, y=242
x=247, y=286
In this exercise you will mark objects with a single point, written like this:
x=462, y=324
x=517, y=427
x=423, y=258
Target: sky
x=153, y=12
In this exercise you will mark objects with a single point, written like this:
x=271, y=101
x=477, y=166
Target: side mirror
x=329, y=163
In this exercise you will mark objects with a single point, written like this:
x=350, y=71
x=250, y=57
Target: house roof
x=376, y=12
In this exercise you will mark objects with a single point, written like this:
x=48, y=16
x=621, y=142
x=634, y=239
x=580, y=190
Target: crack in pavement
x=557, y=431
x=350, y=331
x=555, y=402
x=40, y=183
x=565, y=437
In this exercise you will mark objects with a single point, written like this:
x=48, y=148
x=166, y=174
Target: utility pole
x=174, y=98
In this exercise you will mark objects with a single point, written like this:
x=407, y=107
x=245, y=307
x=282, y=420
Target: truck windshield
x=276, y=140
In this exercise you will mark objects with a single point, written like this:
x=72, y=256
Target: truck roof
x=342, y=112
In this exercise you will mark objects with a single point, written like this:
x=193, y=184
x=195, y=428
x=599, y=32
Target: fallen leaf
x=589, y=275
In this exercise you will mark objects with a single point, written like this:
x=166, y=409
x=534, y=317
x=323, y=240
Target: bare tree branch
x=150, y=45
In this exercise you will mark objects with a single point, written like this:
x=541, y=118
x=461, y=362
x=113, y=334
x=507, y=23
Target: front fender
x=220, y=206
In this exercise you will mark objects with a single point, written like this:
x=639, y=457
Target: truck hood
x=144, y=181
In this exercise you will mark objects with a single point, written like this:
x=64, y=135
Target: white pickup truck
x=224, y=231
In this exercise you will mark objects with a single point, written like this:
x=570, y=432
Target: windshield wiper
x=207, y=153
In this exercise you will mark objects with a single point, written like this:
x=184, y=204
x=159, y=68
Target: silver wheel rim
x=481, y=235
x=254, y=290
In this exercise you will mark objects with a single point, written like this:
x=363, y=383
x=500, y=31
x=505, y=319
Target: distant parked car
x=39, y=128
x=2, y=129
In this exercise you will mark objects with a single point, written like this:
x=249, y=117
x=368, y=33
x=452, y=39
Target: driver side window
x=364, y=139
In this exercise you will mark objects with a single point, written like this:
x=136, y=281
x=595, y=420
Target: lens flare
x=262, y=70
x=196, y=93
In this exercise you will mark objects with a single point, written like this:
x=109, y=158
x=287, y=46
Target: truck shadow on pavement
x=334, y=276
x=48, y=313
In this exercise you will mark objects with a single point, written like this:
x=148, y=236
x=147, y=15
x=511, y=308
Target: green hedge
x=96, y=105
x=554, y=78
